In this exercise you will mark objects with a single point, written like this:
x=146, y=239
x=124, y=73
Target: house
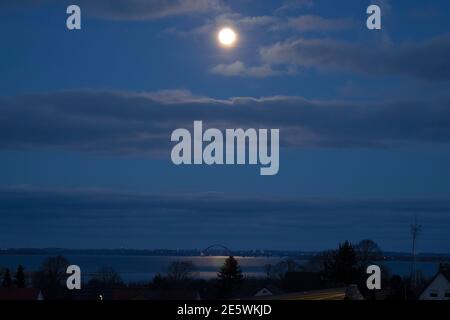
x=352, y=293
x=20, y=294
x=266, y=291
x=439, y=286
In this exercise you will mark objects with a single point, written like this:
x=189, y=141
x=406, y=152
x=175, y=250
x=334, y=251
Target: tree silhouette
x=230, y=276
x=106, y=277
x=397, y=289
x=51, y=277
x=180, y=270
x=368, y=252
x=19, y=278
x=317, y=262
x=279, y=270
x=6, y=282
x=342, y=266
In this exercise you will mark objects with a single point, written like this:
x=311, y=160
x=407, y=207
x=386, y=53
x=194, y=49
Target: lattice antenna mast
x=416, y=229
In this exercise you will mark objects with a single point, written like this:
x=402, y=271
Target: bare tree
x=317, y=262
x=51, y=277
x=54, y=269
x=278, y=270
x=180, y=270
x=368, y=252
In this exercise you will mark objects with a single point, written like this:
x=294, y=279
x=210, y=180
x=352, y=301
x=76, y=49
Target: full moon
x=227, y=37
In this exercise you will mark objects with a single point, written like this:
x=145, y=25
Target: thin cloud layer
x=425, y=60
x=238, y=68
x=188, y=220
x=154, y=9
x=81, y=201
x=291, y=5
x=116, y=122
x=314, y=23
x=129, y=9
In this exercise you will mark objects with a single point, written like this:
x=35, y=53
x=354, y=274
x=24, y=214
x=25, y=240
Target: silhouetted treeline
x=343, y=266
x=17, y=281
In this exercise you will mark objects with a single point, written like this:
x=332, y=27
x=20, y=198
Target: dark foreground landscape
x=217, y=274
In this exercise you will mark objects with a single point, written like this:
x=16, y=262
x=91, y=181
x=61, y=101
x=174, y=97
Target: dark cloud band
x=425, y=60
x=100, y=218
x=125, y=123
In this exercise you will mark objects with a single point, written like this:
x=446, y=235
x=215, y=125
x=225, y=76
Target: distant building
x=264, y=292
x=267, y=291
x=439, y=286
x=20, y=294
x=352, y=293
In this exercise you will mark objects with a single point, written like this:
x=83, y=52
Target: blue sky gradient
x=86, y=116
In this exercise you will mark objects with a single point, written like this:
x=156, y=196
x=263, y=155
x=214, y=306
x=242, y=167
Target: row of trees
x=348, y=263
x=340, y=267
x=18, y=281
x=180, y=281
x=51, y=278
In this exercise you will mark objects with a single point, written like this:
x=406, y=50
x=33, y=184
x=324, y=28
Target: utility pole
x=415, y=232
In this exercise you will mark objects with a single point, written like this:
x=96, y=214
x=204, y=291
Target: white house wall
x=440, y=285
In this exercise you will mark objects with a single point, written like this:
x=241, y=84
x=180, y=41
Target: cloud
x=308, y=23
x=291, y=5
x=425, y=60
x=131, y=9
x=238, y=68
x=255, y=21
x=104, y=218
x=121, y=122
x=233, y=19
x=299, y=24
x=153, y=9
x=385, y=5
x=81, y=201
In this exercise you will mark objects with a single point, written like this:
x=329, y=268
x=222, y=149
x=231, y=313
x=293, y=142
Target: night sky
x=86, y=117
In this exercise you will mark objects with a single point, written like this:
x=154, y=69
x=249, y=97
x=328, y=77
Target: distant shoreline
x=388, y=256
